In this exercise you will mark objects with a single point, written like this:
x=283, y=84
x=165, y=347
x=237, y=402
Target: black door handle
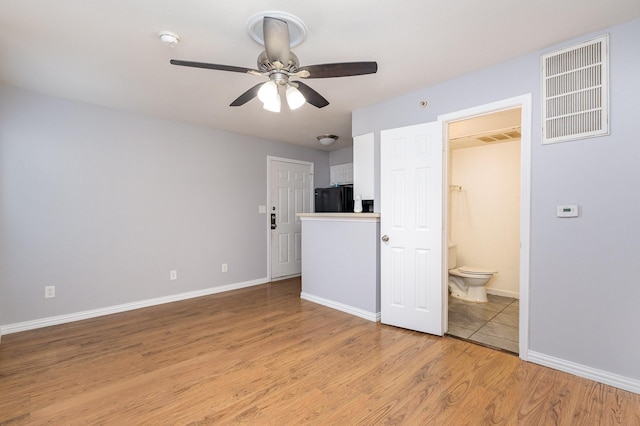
x=273, y=221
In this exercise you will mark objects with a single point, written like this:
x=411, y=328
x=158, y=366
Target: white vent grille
x=575, y=90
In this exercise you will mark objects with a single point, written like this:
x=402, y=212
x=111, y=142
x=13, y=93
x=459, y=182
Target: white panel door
x=411, y=222
x=291, y=188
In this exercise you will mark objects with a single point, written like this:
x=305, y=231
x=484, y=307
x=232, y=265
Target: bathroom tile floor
x=494, y=323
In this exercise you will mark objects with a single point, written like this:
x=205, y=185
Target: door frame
x=523, y=102
x=270, y=160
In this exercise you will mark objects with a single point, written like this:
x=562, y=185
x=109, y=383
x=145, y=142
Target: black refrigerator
x=334, y=199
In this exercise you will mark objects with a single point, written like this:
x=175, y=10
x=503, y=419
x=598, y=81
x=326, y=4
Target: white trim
x=590, y=373
x=523, y=102
x=93, y=313
x=371, y=316
x=268, y=224
x=503, y=293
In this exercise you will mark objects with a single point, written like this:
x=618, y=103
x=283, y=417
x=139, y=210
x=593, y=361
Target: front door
x=411, y=225
x=291, y=188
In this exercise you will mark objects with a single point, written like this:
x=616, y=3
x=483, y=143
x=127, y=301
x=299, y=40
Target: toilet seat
x=474, y=270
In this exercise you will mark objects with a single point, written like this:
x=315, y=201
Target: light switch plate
x=262, y=209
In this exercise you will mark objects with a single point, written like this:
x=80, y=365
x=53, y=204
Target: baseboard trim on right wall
x=600, y=376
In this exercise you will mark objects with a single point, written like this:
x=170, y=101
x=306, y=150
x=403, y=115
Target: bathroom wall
x=485, y=215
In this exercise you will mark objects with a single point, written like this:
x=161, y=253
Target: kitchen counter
x=375, y=216
x=341, y=262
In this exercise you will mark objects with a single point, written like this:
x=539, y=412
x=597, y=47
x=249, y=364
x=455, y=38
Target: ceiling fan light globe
x=274, y=105
x=268, y=92
x=295, y=99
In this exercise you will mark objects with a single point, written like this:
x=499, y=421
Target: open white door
x=411, y=225
x=290, y=192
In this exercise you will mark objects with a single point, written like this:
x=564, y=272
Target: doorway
x=523, y=103
x=483, y=226
x=290, y=191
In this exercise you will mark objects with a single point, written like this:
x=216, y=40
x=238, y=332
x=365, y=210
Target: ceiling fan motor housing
x=265, y=65
x=280, y=78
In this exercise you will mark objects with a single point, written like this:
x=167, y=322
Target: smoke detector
x=169, y=38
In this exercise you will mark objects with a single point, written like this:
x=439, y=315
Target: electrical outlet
x=173, y=275
x=49, y=291
x=224, y=267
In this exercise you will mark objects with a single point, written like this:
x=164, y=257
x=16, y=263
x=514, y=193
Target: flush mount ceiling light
x=169, y=38
x=327, y=140
x=297, y=28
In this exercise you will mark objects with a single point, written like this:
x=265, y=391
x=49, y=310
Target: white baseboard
x=371, y=316
x=77, y=316
x=600, y=376
x=504, y=293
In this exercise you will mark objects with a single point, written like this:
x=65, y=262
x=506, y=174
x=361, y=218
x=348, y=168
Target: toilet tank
x=453, y=256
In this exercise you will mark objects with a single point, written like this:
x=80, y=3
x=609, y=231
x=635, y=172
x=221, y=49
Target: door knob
x=385, y=238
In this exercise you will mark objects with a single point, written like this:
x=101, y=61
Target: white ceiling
x=107, y=52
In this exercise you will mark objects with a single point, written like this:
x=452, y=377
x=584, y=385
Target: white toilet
x=467, y=282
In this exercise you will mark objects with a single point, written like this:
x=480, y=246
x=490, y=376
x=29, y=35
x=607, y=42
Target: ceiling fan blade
x=276, y=40
x=247, y=96
x=343, y=69
x=312, y=97
x=213, y=66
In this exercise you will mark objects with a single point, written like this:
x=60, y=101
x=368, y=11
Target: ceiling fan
x=279, y=64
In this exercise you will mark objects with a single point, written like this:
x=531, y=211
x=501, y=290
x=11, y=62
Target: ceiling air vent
x=494, y=136
x=575, y=92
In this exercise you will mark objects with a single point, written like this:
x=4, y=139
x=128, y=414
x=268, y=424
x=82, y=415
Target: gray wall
x=341, y=156
x=584, y=286
x=103, y=203
x=342, y=262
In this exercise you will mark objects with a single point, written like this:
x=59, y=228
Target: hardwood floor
x=263, y=356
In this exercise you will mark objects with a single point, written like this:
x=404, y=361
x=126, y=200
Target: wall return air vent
x=575, y=92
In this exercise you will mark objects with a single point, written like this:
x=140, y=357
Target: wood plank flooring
x=263, y=356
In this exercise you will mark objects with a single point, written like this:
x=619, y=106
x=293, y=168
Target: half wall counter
x=341, y=262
